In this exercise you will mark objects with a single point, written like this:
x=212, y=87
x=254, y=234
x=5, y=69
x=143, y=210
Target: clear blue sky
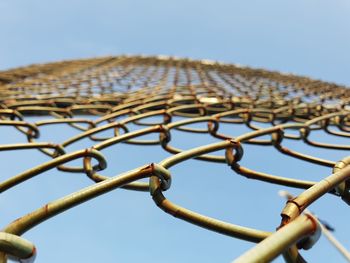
x=304, y=37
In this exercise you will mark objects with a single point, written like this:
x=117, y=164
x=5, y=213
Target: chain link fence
x=160, y=95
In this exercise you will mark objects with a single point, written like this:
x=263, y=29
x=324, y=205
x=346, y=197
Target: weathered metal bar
x=345, y=253
x=17, y=179
x=17, y=248
x=295, y=206
x=278, y=242
x=213, y=224
x=23, y=224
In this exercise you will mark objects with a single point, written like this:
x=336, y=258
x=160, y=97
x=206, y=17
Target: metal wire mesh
x=152, y=92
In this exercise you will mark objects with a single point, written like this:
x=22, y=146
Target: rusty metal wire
x=155, y=92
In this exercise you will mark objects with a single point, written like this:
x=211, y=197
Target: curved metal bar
x=17, y=247
x=275, y=244
x=32, y=131
x=15, y=180
x=212, y=224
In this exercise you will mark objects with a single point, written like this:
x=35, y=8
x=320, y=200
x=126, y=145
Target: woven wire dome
x=134, y=97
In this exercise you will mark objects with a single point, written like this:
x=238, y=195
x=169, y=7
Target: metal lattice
x=121, y=91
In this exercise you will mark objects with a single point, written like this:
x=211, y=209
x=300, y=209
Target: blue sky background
x=305, y=37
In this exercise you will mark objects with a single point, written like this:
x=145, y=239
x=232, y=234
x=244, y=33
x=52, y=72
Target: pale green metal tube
x=277, y=243
x=23, y=224
x=15, y=180
x=49, y=210
x=17, y=247
x=295, y=206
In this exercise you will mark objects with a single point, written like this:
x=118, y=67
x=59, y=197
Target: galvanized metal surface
x=121, y=91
